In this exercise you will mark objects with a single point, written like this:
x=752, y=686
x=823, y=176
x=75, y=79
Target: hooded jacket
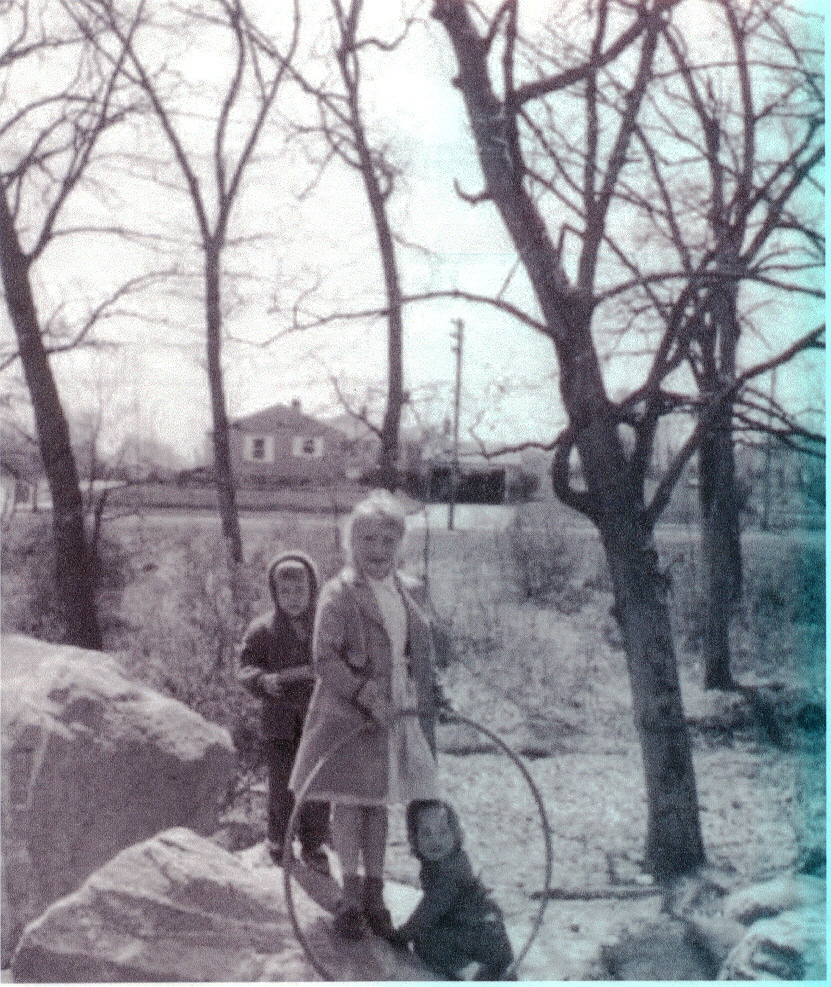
x=271, y=644
x=453, y=895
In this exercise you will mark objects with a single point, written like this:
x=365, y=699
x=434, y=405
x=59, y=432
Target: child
x=456, y=928
x=373, y=658
x=275, y=665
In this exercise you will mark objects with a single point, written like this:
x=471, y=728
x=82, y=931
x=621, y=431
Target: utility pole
x=458, y=338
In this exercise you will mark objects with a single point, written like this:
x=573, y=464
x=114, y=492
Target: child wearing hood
x=275, y=664
x=456, y=928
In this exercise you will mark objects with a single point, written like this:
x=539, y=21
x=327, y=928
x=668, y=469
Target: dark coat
x=271, y=644
x=351, y=647
x=453, y=896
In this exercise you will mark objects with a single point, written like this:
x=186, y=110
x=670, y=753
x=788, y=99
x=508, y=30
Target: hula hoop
x=289, y=861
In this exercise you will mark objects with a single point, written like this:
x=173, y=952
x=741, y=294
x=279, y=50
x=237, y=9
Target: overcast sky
x=325, y=242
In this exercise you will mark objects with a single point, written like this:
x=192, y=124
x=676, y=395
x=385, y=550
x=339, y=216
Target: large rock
x=785, y=938
x=656, y=951
x=769, y=931
x=92, y=762
x=781, y=894
x=180, y=908
x=788, y=946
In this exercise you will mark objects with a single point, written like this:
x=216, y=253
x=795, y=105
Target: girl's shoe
x=379, y=920
x=316, y=859
x=349, y=922
x=376, y=914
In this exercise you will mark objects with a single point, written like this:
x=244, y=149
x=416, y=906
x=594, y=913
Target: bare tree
x=555, y=126
x=726, y=230
x=347, y=136
x=234, y=131
x=50, y=141
x=767, y=93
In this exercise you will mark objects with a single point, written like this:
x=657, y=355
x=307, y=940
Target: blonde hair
x=379, y=505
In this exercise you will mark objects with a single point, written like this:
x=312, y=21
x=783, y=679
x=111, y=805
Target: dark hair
x=414, y=810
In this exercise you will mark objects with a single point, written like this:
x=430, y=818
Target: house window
x=304, y=447
x=258, y=449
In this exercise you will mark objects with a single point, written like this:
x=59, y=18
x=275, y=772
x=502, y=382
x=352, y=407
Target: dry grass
x=545, y=666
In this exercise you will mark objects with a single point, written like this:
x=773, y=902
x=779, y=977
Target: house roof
x=282, y=416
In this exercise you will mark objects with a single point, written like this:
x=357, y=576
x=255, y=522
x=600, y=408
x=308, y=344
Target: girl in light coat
x=372, y=655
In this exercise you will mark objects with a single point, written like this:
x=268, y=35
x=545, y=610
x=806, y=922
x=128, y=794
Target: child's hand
x=375, y=704
x=382, y=712
x=271, y=684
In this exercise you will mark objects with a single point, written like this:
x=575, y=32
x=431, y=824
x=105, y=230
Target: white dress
x=412, y=767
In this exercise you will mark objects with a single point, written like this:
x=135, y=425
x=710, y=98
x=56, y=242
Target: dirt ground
x=753, y=804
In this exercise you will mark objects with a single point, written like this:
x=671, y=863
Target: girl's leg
x=374, y=840
x=489, y=944
x=346, y=839
x=375, y=825
x=444, y=950
x=346, y=836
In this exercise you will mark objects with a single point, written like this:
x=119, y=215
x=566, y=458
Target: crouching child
x=456, y=928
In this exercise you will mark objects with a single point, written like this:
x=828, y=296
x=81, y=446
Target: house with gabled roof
x=284, y=445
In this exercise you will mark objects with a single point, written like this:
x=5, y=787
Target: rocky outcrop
x=92, y=762
x=782, y=925
x=178, y=907
x=769, y=931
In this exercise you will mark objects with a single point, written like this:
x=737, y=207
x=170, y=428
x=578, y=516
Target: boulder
x=789, y=946
x=656, y=951
x=769, y=931
x=92, y=762
x=178, y=907
x=772, y=897
x=786, y=935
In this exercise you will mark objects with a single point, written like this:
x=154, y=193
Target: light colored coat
x=350, y=648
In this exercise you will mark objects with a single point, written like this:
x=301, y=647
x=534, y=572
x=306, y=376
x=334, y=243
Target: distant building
x=283, y=445
x=500, y=479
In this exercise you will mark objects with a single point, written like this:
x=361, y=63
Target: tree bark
x=392, y=283
x=718, y=499
x=377, y=198
x=720, y=550
x=223, y=471
x=614, y=498
x=74, y=574
x=615, y=503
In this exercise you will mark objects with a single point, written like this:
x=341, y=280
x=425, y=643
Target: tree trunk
x=73, y=564
x=718, y=498
x=223, y=472
x=673, y=844
x=720, y=549
x=388, y=467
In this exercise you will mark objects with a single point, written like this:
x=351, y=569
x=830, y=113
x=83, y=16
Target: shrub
x=541, y=563
x=187, y=613
x=27, y=581
x=781, y=615
x=189, y=608
x=29, y=597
